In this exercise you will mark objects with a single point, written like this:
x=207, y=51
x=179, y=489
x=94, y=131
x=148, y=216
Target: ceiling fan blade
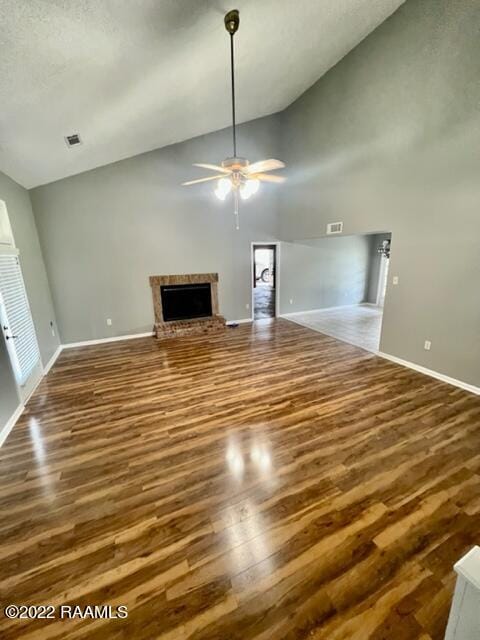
x=264, y=165
x=268, y=177
x=185, y=184
x=212, y=167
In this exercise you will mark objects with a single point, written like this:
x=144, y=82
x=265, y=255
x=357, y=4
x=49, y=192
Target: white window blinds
x=17, y=319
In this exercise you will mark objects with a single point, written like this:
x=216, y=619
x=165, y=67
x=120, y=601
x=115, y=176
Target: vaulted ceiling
x=134, y=75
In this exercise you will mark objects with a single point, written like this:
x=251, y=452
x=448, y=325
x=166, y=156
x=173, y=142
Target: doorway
x=344, y=281
x=264, y=285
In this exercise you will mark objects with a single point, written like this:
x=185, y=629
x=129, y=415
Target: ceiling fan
x=236, y=175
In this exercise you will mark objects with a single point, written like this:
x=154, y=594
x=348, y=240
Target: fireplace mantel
x=175, y=328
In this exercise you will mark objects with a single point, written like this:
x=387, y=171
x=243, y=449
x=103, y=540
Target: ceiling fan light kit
x=236, y=175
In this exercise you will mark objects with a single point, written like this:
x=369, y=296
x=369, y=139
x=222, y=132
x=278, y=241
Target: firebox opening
x=186, y=301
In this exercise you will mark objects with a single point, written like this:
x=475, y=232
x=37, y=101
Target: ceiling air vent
x=334, y=227
x=73, y=140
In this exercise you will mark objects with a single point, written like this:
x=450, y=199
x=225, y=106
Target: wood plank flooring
x=270, y=483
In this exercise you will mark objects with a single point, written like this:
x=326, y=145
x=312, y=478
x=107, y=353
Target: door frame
x=265, y=244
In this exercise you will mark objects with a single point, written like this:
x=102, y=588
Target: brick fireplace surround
x=195, y=326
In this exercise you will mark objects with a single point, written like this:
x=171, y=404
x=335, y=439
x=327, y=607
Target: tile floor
x=359, y=325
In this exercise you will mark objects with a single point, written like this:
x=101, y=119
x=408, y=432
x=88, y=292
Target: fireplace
x=186, y=304
x=186, y=301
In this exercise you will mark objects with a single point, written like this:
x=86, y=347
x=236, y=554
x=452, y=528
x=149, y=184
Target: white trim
x=32, y=390
x=11, y=423
x=463, y=621
x=277, y=244
x=86, y=343
x=469, y=567
x=6, y=250
x=242, y=321
x=52, y=360
x=433, y=374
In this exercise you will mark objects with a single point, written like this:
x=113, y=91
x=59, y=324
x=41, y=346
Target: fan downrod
x=232, y=21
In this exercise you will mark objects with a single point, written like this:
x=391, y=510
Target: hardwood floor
x=270, y=483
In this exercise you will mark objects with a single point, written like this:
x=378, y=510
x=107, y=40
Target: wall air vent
x=334, y=227
x=73, y=140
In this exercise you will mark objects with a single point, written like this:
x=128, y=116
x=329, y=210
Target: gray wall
x=33, y=268
x=328, y=272
x=22, y=221
x=104, y=232
x=390, y=140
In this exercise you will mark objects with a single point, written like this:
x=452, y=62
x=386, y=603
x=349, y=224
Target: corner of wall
x=22, y=220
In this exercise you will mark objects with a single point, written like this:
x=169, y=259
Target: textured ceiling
x=133, y=75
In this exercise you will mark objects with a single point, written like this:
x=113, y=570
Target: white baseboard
x=433, y=374
x=86, y=343
x=242, y=321
x=11, y=423
x=52, y=360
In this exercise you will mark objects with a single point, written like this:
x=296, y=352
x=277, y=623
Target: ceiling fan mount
x=235, y=164
x=237, y=175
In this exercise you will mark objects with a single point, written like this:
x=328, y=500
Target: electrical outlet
x=395, y=280
x=247, y=306
x=428, y=345
x=109, y=322
x=291, y=300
